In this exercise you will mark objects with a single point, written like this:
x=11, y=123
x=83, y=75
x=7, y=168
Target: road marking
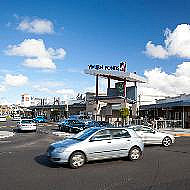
x=5, y=141
x=1, y=153
x=7, y=126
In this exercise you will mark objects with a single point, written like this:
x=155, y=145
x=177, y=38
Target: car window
x=26, y=121
x=146, y=130
x=120, y=133
x=84, y=134
x=102, y=135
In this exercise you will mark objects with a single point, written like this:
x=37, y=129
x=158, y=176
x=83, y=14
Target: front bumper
x=57, y=157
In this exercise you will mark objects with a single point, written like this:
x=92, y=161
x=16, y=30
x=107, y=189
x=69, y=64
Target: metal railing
x=158, y=124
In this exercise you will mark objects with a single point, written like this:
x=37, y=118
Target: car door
x=121, y=142
x=150, y=136
x=99, y=145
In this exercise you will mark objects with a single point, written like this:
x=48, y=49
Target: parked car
x=96, y=144
x=16, y=118
x=3, y=118
x=40, y=119
x=64, y=125
x=26, y=125
x=71, y=126
x=76, y=126
x=98, y=124
x=151, y=136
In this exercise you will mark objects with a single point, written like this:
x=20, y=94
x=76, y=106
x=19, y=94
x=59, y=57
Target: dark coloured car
x=70, y=125
x=98, y=124
x=76, y=126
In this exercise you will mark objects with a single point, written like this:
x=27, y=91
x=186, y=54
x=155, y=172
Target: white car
x=151, y=136
x=26, y=125
x=16, y=118
x=3, y=118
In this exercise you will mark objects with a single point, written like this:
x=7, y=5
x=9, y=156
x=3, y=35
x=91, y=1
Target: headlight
x=59, y=150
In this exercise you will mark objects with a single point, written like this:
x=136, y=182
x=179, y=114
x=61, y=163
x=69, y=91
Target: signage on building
x=120, y=88
x=122, y=67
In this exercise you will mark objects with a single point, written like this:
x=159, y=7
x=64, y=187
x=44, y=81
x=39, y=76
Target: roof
x=182, y=103
x=114, y=99
x=116, y=75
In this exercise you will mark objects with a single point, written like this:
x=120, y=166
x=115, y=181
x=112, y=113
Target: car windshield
x=26, y=121
x=85, y=134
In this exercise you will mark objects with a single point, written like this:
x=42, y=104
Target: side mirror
x=153, y=131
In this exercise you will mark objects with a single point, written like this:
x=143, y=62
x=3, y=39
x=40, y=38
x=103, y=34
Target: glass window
x=120, y=133
x=26, y=121
x=102, y=135
x=84, y=134
x=147, y=130
x=137, y=128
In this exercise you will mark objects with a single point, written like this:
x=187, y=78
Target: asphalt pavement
x=24, y=166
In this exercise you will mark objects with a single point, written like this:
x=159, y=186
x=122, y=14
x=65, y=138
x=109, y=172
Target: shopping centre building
x=107, y=106
x=169, y=112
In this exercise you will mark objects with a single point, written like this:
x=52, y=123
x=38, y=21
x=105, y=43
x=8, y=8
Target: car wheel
x=76, y=160
x=167, y=141
x=135, y=153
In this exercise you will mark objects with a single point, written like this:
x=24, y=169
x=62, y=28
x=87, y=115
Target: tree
x=124, y=113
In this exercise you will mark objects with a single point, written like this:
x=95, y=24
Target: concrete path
x=178, y=132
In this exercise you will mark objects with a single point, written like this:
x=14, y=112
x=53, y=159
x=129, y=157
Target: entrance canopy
x=116, y=75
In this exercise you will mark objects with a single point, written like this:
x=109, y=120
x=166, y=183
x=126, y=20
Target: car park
x=26, y=125
x=96, y=144
x=152, y=136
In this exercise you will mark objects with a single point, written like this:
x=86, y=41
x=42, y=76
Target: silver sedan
x=96, y=144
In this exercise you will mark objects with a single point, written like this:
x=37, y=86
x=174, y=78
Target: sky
x=46, y=45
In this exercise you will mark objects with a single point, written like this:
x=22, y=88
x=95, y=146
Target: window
x=147, y=130
x=102, y=135
x=116, y=134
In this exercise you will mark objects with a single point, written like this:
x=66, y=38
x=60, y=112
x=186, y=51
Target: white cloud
x=67, y=92
x=37, y=56
x=15, y=80
x=57, y=53
x=37, y=26
x=41, y=88
x=41, y=62
x=4, y=101
x=2, y=88
x=163, y=84
x=156, y=51
x=176, y=43
x=28, y=48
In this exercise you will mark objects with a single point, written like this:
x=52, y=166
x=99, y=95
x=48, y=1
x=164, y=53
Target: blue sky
x=85, y=32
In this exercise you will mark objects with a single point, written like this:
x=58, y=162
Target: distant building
x=170, y=108
x=25, y=100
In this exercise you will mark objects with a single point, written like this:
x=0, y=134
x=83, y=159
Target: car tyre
x=135, y=153
x=167, y=141
x=77, y=159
